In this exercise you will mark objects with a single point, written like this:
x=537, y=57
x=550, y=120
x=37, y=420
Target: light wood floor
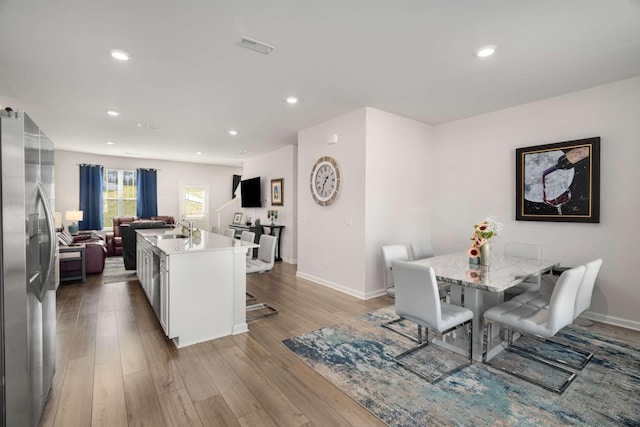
x=116, y=368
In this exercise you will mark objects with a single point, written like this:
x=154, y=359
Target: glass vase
x=485, y=253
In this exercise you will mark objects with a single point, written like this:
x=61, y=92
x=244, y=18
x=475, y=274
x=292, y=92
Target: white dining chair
x=544, y=322
x=421, y=250
x=230, y=232
x=392, y=253
x=580, y=357
x=248, y=236
x=418, y=300
x=262, y=264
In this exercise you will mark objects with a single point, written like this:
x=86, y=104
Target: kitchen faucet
x=189, y=226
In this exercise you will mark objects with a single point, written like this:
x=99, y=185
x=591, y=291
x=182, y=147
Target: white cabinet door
x=164, y=295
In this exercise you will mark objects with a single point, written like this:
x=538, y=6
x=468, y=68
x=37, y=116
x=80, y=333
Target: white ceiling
x=189, y=76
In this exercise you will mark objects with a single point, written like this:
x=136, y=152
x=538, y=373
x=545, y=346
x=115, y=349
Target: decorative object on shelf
x=559, y=182
x=326, y=180
x=277, y=186
x=237, y=218
x=248, y=221
x=73, y=216
x=272, y=215
x=481, y=246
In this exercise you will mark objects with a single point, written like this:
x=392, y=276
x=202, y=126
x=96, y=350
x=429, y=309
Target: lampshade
x=57, y=219
x=73, y=216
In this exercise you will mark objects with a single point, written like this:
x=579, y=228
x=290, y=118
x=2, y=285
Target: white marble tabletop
x=503, y=273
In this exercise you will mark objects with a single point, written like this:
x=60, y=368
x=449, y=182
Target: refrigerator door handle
x=48, y=213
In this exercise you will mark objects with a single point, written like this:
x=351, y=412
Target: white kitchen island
x=195, y=285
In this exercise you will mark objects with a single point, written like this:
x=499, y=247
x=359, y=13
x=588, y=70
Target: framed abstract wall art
x=276, y=192
x=559, y=182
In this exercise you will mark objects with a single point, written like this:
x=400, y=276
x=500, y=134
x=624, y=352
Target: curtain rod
x=102, y=166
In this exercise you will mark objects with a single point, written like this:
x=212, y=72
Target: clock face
x=325, y=181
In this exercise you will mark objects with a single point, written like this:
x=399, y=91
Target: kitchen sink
x=172, y=236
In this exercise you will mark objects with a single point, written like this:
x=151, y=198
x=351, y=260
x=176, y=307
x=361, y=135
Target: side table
x=276, y=230
x=73, y=253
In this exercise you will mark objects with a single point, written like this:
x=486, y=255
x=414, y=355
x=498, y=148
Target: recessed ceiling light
x=113, y=113
x=147, y=126
x=110, y=142
x=199, y=153
x=120, y=55
x=233, y=132
x=486, y=51
x=292, y=100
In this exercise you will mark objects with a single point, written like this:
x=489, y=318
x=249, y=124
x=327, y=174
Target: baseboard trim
x=343, y=289
x=611, y=320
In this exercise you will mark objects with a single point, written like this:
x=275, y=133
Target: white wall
x=170, y=174
x=475, y=176
x=399, y=187
x=280, y=163
x=329, y=251
x=384, y=159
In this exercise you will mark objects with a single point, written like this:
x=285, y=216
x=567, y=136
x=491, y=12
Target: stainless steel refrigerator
x=28, y=261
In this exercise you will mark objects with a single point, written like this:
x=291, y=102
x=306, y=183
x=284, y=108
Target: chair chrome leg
x=586, y=355
x=260, y=306
x=411, y=337
x=398, y=358
x=249, y=297
x=517, y=350
x=558, y=390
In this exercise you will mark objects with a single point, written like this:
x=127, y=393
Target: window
x=194, y=204
x=118, y=195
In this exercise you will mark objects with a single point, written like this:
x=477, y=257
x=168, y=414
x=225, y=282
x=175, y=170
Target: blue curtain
x=236, y=183
x=91, y=197
x=147, y=194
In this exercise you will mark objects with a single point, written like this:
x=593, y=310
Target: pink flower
x=473, y=252
x=478, y=241
x=473, y=275
x=482, y=227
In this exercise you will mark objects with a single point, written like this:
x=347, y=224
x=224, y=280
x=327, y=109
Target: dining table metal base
x=478, y=301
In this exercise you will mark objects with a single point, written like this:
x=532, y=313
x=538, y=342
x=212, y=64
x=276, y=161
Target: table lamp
x=73, y=216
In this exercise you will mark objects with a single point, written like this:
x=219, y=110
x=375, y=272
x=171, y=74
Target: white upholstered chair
x=583, y=302
x=418, y=300
x=266, y=255
x=524, y=250
x=544, y=322
x=392, y=253
x=421, y=250
x=230, y=232
x=248, y=236
x=263, y=263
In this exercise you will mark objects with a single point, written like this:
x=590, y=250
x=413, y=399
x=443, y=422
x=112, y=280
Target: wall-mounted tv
x=250, y=193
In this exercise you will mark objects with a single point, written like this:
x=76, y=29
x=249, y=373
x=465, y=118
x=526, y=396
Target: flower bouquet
x=480, y=247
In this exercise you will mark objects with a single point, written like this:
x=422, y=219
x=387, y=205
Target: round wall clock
x=325, y=180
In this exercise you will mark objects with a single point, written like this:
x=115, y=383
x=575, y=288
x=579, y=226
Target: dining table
x=480, y=287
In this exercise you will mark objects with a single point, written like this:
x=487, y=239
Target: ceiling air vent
x=255, y=45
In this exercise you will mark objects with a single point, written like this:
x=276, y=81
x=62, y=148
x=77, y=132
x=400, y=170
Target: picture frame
x=237, y=218
x=277, y=196
x=559, y=182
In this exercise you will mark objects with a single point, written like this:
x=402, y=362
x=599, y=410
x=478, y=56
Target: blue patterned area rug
x=356, y=356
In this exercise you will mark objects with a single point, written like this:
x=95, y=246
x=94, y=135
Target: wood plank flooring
x=116, y=368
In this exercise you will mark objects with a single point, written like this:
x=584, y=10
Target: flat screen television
x=250, y=193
